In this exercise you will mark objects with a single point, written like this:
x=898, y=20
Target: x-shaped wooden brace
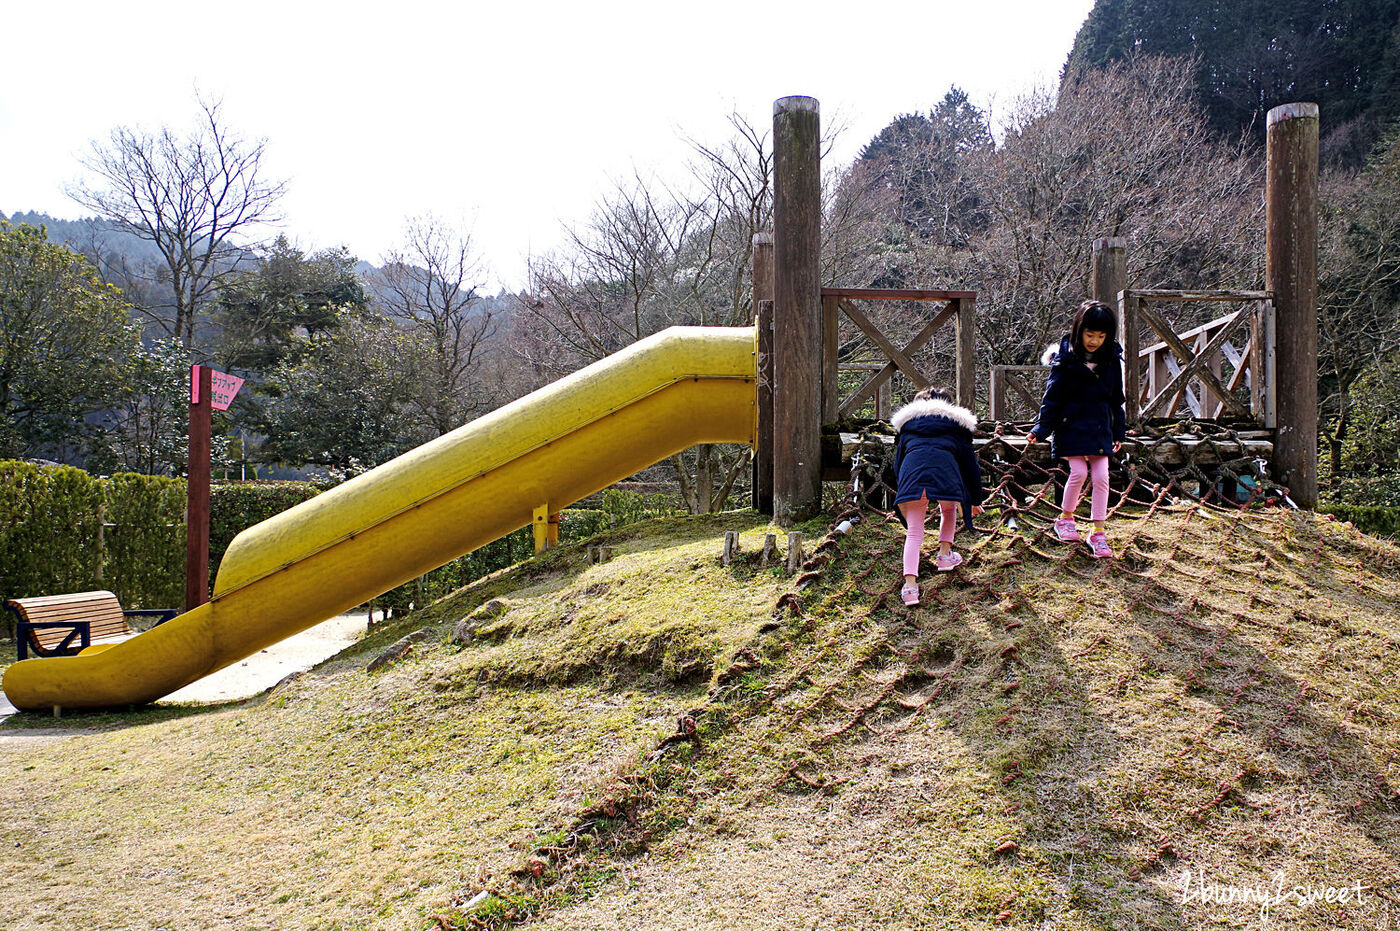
x=1013, y=381
x=1193, y=365
x=898, y=358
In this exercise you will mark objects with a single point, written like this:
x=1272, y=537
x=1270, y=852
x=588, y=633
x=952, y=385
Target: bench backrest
x=101, y=610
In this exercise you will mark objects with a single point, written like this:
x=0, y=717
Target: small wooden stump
x=731, y=547
x=770, y=551
x=794, y=556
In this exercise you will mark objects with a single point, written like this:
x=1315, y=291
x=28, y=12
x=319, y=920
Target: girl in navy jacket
x=1083, y=409
x=934, y=460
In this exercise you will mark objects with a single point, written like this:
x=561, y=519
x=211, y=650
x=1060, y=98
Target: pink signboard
x=223, y=387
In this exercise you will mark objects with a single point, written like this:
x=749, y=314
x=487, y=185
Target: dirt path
x=266, y=668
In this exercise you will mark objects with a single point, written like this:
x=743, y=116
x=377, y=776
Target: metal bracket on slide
x=546, y=526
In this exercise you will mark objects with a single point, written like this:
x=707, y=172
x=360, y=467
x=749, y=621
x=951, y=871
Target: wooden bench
x=62, y=625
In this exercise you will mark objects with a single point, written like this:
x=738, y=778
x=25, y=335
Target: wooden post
x=731, y=548
x=1109, y=274
x=1128, y=325
x=763, y=302
x=1290, y=272
x=197, y=486
x=763, y=453
x=797, y=330
x=1269, y=355
x=831, y=345
x=966, y=337
x=770, y=551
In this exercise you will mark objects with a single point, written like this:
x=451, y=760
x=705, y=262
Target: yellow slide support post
x=576, y=436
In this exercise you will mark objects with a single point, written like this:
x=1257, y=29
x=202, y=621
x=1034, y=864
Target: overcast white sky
x=510, y=118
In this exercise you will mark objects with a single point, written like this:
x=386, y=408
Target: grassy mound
x=347, y=799
x=1201, y=733
x=1049, y=741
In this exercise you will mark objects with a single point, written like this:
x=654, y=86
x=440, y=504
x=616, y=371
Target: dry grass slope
x=1049, y=741
x=1052, y=741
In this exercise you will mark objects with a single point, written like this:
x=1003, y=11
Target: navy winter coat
x=933, y=454
x=1082, y=407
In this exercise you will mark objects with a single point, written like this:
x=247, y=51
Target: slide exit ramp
x=573, y=437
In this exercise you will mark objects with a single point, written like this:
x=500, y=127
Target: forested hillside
x=1343, y=55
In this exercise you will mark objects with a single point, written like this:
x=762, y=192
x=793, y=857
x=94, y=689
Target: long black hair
x=1098, y=317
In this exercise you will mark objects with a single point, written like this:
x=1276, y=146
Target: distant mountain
x=110, y=249
x=91, y=236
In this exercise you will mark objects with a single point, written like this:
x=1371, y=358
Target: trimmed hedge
x=53, y=538
x=144, y=543
x=1373, y=519
x=236, y=506
x=63, y=530
x=50, y=521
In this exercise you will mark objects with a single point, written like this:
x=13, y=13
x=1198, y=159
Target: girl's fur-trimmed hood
x=934, y=408
x=1054, y=353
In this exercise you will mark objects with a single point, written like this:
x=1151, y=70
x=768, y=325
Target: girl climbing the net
x=934, y=460
x=1083, y=409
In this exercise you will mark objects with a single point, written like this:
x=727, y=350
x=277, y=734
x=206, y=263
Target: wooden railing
x=957, y=309
x=1016, y=391
x=1201, y=372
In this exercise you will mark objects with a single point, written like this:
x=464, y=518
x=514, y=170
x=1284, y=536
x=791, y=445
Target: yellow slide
x=681, y=387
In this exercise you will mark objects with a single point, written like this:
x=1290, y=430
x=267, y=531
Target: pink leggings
x=915, y=512
x=1079, y=469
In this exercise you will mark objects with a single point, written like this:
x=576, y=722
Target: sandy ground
x=248, y=677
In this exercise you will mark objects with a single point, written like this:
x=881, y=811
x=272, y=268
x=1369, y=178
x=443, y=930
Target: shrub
x=1378, y=521
x=63, y=530
x=50, y=522
x=144, y=543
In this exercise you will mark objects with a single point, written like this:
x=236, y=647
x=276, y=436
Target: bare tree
x=189, y=196
x=650, y=256
x=431, y=285
x=1121, y=152
x=1359, y=285
x=654, y=255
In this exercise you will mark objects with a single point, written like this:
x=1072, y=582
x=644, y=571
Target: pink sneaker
x=1098, y=545
x=1066, y=531
x=909, y=594
x=948, y=563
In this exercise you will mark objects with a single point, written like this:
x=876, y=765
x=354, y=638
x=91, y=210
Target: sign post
x=209, y=391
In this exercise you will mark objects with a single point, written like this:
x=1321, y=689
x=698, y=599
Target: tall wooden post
x=1290, y=272
x=797, y=310
x=763, y=307
x=965, y=330
x=197, y=484
x=1132, y=372
x=831, y=345
x=1109, y=274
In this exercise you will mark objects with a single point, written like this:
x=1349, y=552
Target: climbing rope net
x=1175, y=704
x=1198, y=596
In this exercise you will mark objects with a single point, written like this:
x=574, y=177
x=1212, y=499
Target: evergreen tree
x=922, y=160
x=67, y=347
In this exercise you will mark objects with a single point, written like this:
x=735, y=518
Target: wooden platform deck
x=1168, y=449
